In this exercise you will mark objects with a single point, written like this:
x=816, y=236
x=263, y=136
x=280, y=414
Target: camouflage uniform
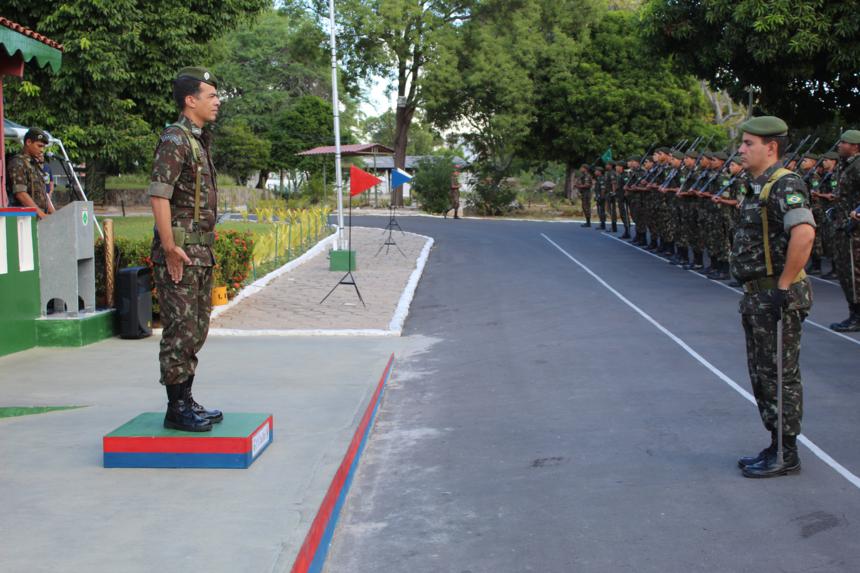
x=583, y=181
x=611, y=196
x=787, y=206
x=600, y=195
x=185, y=306
x=847, y=242
x=26, y=176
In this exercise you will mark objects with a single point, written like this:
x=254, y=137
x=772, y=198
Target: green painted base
x=341, y=261
x=80, y=331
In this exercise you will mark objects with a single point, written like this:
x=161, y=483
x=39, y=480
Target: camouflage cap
x=36, y=134
x=198, y=73
x=831, y=155
x=765, y=125
x=850, y=136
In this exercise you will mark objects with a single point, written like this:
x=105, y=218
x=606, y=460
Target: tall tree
x=801, y=55
x=265, y=68
x=610, y=91
x=112, y=95
x=396, y=39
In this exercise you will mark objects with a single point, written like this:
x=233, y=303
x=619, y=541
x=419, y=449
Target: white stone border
x=395, y=327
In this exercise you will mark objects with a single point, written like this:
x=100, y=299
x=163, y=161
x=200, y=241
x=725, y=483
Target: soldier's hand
x=176, y=260
x=778, y=301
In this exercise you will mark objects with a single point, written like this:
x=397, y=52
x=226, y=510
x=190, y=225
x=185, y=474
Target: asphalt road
x=576, y=413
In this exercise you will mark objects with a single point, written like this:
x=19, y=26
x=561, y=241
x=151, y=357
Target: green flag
x=607, y=155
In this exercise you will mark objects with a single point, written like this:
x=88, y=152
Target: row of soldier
x=684, y=203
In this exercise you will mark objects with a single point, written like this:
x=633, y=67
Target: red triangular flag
x=360, y=181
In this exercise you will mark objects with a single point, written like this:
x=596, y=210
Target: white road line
x=739, y=291
x=821, y=454
x=826, y=281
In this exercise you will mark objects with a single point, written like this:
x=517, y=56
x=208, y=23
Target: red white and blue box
x=144, y=442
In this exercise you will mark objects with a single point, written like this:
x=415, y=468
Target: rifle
x=715, y=175
x=796, y=149
x=815, y=167
x=675, y=170
x=695, y=165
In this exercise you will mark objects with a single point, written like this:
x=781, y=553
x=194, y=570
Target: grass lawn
x=141, y=227
x=12, y=411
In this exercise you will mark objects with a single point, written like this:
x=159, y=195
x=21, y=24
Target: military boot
x=667, y=248
x=697, y=263
x=680, y=258
x=587, y=222
x=815, y=266
x=214, y=416
x=752, y=460
x=769, y=466
x=719, y=271
x=850, y=324
x=180, y=415
x=653, y=245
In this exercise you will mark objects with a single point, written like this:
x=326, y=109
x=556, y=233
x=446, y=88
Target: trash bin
x=134, y=302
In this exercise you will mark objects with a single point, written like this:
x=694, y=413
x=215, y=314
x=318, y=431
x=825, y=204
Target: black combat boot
x=850, y=324
x=179, y=414
x=769, y=466
x=719, y=271
x=214, y=416
x=697, y=263
x=667, y=248
x=681, y=257
x=653, y=245
x=587, y=222
x=626, y=234
x=752, y=460
x=815, y=266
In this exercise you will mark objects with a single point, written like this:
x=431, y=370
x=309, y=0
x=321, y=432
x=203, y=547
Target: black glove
x=778, y=301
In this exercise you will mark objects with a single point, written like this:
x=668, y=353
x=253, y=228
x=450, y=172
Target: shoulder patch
x=794, y=199
x=172, y=138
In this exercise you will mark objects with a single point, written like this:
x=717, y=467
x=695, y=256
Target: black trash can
x=134, y=302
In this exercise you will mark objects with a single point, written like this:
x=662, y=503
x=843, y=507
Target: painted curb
x=314, y=550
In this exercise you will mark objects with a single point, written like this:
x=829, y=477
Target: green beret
x=36, y=134
x=812, y=156
x=198, y=73
x=721, y=155
x=850, y=136
x=632, y=158
x=598, y=168
x=662, y=150
x=677, y=155
x=692, y=153
x=831, y=155
x=764, y=126
x=738, y=159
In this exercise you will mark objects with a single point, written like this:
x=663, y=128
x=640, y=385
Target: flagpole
x=335, y=104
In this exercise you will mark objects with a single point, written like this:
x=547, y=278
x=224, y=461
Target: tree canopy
x=801, y=56
x=112, y=95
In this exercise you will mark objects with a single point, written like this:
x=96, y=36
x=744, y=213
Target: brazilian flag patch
x=794, y=199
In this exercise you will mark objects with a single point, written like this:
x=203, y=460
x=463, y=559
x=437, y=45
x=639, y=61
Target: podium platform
x=144, y=442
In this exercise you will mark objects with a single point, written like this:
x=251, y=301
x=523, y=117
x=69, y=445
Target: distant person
x=48, y=178
x=455, y=194
x=26, y=179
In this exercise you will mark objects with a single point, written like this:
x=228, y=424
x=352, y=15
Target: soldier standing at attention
x=772, y=244
x=26, y=179
x=846, y=259
x=599, y=192
x=184, y=198
x=583, y=182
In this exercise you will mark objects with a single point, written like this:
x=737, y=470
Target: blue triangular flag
x=399, y=177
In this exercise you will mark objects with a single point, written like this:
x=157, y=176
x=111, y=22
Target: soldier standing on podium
x=183, y=193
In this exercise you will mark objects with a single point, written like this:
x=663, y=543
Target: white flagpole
x=335, y=104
